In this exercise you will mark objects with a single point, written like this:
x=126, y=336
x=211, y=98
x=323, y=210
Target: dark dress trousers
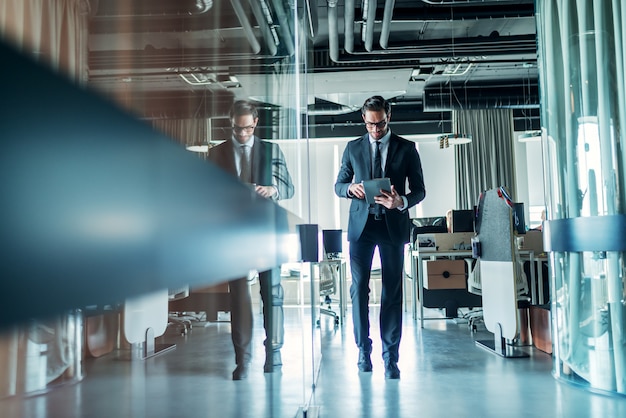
x=268, y=167
x=390, y=234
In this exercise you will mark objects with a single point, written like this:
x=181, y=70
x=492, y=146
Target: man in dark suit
x=386, y=224
x=262, y=164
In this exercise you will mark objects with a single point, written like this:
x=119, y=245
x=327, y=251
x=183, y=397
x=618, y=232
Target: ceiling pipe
x=246, y=26
x=472, y=47
x=264, y=26
x=284, y=27
x=463, y=47
x=387, y=16
x=348, y=26
x=312, y=19
x=370, y=12
x=517, y=45
x=470, y=2
x=333, y=34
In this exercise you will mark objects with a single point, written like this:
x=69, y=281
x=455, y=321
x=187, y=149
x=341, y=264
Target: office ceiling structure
x=192, y=58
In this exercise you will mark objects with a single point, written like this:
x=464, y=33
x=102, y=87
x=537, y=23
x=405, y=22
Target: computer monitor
x=431, y=225
x=463, y=220
x=332, y=241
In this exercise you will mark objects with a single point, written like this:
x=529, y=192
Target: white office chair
x=473, y=276
x=177, y=318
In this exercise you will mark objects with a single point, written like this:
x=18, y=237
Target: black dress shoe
x=391, y=370
x=272, y=361
x=241, y=371
x=365, y=362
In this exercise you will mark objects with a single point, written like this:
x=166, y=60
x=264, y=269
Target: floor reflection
x=443, y=374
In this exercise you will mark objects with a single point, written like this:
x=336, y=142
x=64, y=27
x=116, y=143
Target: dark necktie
x=378, y=168
x=244, y=172
x=377, y=172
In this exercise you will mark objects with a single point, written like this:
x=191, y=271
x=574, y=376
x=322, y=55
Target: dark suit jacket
x=403, y=163
x=268, y=165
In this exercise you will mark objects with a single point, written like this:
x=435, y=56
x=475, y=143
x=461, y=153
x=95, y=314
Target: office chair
x=328, y=286
x=329, y=271
x=474, y=286
x=473, y=276
x=177, y=319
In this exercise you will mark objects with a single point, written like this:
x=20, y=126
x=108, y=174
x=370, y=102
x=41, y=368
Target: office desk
x=417, y=270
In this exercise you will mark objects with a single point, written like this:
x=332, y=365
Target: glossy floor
x=443, y=374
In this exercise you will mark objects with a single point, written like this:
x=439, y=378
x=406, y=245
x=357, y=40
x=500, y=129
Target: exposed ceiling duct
x=369, y=16
x=264, y=21
x=284, y=26
x=386, y=27
x=246, y=26
x=466, y=96
x=161, y=40
x=409, y=51
x=467, y=47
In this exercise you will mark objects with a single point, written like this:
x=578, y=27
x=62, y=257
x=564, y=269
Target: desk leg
x=540, y=282
x=420, y=276
x=413, y=287
x=533, y=288
x=404, y=294
x=342, y=293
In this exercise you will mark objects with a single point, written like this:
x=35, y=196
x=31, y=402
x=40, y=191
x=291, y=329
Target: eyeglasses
x=247, y=129
x=379, y=125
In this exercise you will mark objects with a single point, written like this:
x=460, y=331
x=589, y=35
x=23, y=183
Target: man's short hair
x=376, y=104
x=242, y=108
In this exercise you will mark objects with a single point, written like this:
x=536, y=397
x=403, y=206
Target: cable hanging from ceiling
x=455, y=138
x=529, y=135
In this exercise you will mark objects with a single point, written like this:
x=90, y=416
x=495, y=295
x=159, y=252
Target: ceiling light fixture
x=200, y=147
x=454, y=138
x=445, y=140
x=198, y=79
x=204, y=146
x=461, y=68
x=530, y=136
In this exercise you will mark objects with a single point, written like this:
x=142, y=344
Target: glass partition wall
x=179, y=70
x=583, y=99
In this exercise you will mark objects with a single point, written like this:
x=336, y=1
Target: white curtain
x=51, y=31
x=487, y=162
